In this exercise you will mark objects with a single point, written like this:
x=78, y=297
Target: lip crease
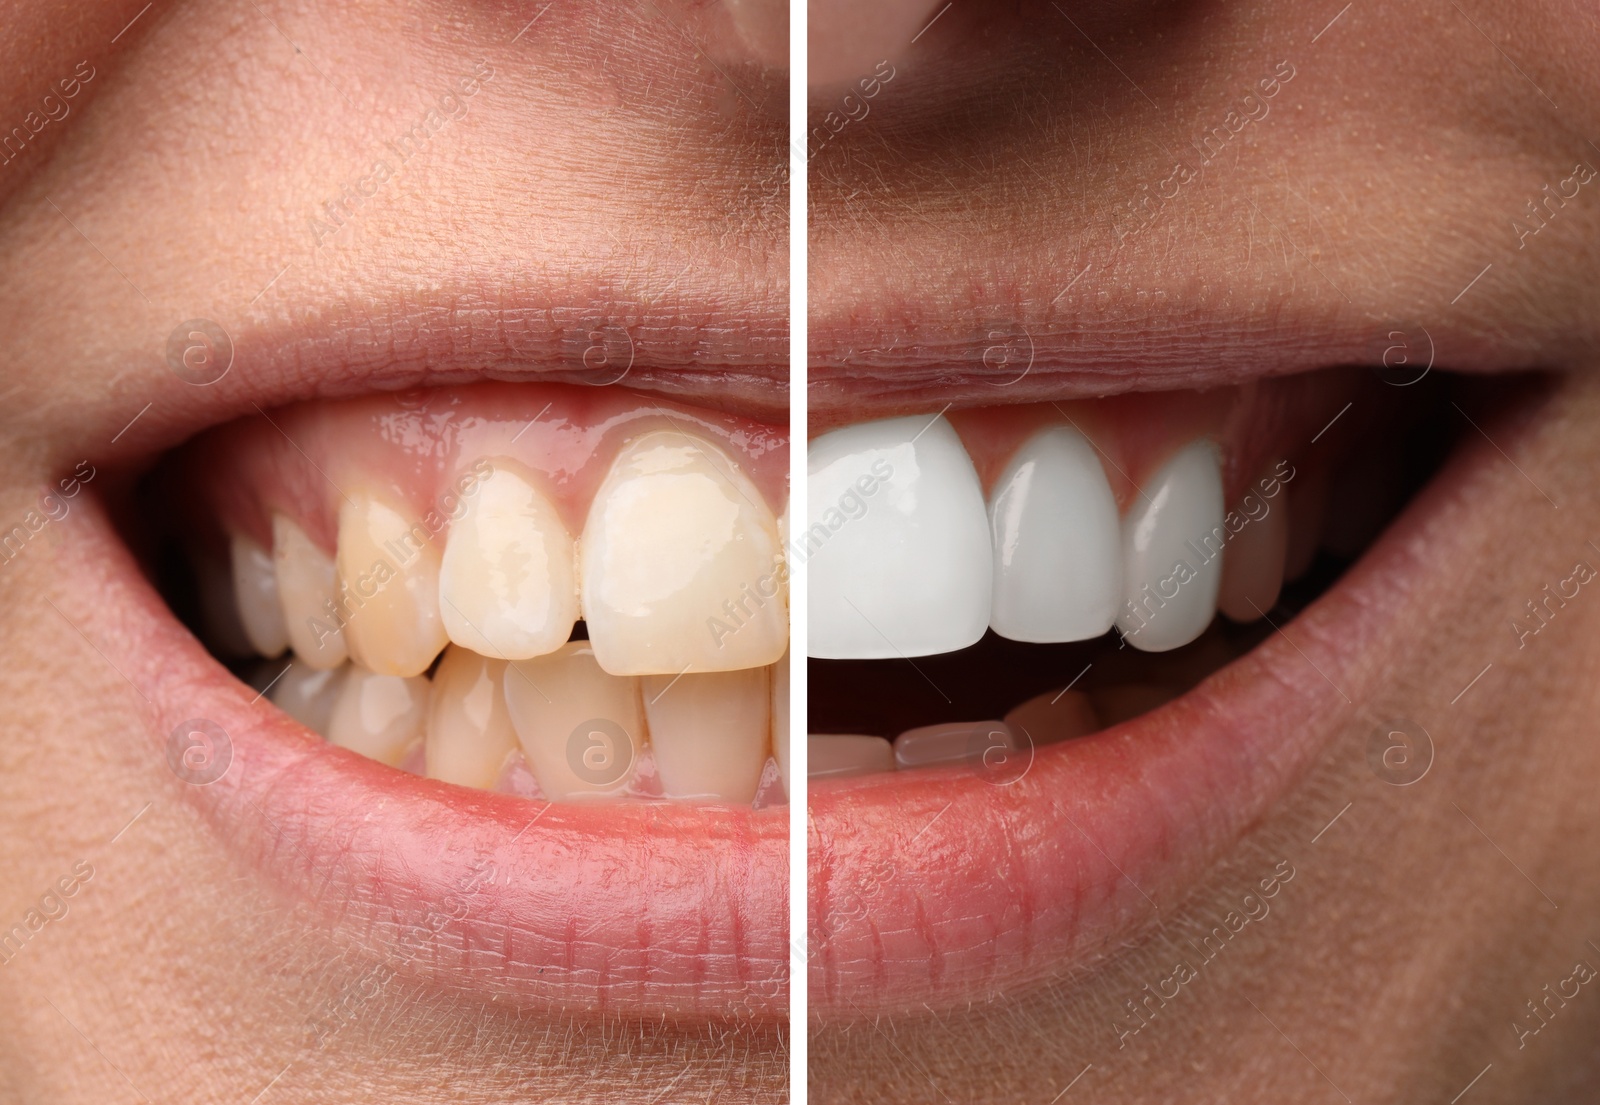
x=937, y=888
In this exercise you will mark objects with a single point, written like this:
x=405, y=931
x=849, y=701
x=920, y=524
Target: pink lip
x=655, y=911
x=937, y=888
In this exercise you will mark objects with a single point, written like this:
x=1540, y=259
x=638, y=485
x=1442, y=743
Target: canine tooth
x=1115, y=705
x=379, y=716
x=580, y=728
x=955, y=742
x=308, y=694
x=308, y=586
x=1172, y=544
x=508, y=583
x=469, y=733
x=709, y=732
x=1057, y=542
x=255, y=589
x=1054, y=716
x=780, y=719
x=1252, y=573
x=835, y=755
x=681, y=565
x=389, y=569
x=900, y=555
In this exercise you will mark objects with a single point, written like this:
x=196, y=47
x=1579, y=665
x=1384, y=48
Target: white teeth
x=899, y=542
x=1054, y=716
x=681, y=565
x=952, y=743
x=835, y=755
x=307, y=588
x=1252, y=574
x=389, y=569
x=508, y=584
x=1172, y=546
x=469, y=733
x=1057, y=542
x=308, y=694
x=709, y=732
x=780, y=719
x=379, y=716
x=580, y=728
x=255, y=588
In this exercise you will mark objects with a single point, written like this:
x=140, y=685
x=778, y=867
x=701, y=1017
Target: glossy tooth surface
x=379, y=716
x=681, y=564
x=508, y=583
x=954, y=742
x=1172, y=542
x=898, y=541
x=389, y=568
x=469, y=733
x=780, y=719
x=255, y=587
x=308, y=584
x=709, y=732
x=1124, y=702
x=580, y=727
x=1252, y=573
x=1057, y=542
x=308, y=694
x=1054, y=716
x=836, y=755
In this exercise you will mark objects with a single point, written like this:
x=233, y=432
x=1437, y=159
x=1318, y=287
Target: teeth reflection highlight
x=307, y=588
x=954, y=742
x=709, y=732
x=837, y=755
x=389, y=568
x=308, y=694
x=681, y=566
x=1172, y=548
x=469, y=732
x=379, y=716
x=255, y=589
x=508, y=582
x=1057, y=542
x=580, y=727
x=899, y=542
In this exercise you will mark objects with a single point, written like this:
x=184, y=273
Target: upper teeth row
x=907, y=559
x=679, y=567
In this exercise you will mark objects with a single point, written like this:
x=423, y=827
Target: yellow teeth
x=379, y=716
x=307, y=588
x=709, y=732
x=580, y=728
x=389, y=570
x=469, y=728
x=255, y=588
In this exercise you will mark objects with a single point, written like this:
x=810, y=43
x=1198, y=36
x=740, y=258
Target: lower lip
x=937, y=888
x=656, y=910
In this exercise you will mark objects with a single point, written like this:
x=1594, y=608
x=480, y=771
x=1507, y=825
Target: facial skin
x=620, y=171
x=998, y=167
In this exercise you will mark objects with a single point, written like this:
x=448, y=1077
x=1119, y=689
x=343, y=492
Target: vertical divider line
x=798, y=951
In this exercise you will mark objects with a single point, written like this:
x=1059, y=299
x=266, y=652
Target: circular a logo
x=1399, y=752
x=1009, y=354
x=199, y=752
x=609, y=355
x=599, y=751
x=997, y=758
x=199, y=352
x=1404, y=354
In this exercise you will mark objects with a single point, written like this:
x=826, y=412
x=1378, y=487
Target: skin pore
x=1041, y=170
x=571, y=170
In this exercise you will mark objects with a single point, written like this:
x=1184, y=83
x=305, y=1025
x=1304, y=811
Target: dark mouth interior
x=983, y=682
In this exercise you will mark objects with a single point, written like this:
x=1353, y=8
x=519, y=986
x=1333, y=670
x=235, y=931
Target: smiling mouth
x=1064, y=653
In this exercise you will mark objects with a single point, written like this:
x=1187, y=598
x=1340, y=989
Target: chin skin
x=580, y=179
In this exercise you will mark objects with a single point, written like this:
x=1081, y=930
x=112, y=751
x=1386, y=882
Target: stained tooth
x=835, y=755
x=899, y=547
x=508, y=583
x=308, y=694
x=681, y=565
x=389, y=568
x=255, y=588
x=379, y=716
x=1057, y=542
x=580, y=728
x=1054, y=716
x=1172, y=542
x=307, y=588
x=469, y=733
x=1115, y=705
x=780, y=719
x=952, y=743
x=709, y=732
x=1252, y=573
